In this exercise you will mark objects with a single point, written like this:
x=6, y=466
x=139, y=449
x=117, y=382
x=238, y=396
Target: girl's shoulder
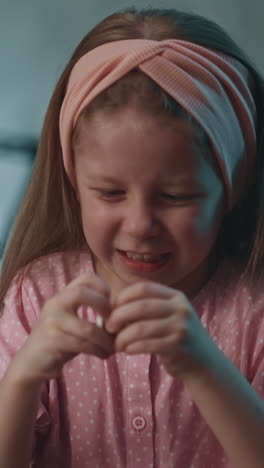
x=70, y=263
x=230, y=278
x=231, y=308
x=230, y=291
x=47, y=275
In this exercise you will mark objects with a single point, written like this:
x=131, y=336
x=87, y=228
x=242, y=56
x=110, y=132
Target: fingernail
x=99, y=321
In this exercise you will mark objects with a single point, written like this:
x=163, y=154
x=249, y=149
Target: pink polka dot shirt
x=127, y=411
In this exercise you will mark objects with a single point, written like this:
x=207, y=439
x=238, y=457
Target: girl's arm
x=232, y=409
x=19, y=404
x=57, y=337
x=149, y=317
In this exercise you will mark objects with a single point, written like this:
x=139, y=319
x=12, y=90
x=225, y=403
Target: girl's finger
x=143, y=290
x=96, y=350
x=138, y=310
x=69, y=346
x=163, y=346
x=151, y=329
x=70, y=298
x=103, y=339
x=90, y=279
x=87, y=331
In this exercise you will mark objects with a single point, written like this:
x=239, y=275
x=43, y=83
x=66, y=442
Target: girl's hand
x=60, y=334
x=152, y=318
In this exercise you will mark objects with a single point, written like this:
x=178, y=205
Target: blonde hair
x=49, y=218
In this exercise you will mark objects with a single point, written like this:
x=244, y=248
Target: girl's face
x=151, y=205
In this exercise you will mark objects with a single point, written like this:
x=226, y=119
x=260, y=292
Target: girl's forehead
x=133, y=146
x=100, y=123
x=131, y=131
x=143, y=175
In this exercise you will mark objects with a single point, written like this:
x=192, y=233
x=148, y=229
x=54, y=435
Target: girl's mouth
x=144, y=263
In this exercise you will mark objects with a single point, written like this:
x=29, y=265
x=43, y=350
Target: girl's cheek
x=201, y=219
x=186, y=224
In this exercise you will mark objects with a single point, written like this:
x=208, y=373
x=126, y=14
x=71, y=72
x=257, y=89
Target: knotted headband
x=212, y=87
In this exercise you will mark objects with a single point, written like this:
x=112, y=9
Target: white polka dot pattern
x=126, y=411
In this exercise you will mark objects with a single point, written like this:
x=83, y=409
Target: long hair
x=49, y=218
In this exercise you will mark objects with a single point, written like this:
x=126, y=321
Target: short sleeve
x=17, y=319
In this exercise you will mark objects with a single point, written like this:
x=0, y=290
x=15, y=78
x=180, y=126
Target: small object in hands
x=99, y=321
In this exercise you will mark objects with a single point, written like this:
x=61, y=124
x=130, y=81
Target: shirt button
x=139, y=423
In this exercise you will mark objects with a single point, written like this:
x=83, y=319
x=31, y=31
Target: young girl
x=145, y=208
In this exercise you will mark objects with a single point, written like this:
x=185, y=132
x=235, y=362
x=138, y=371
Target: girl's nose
x=140, y=220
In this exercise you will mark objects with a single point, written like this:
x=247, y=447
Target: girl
x=145, y=208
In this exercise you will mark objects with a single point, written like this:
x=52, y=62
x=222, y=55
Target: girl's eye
x=111, y=193
x=172, y=197
x=179, y=197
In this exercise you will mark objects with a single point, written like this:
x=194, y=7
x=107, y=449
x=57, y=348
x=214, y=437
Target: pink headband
x=212, y=87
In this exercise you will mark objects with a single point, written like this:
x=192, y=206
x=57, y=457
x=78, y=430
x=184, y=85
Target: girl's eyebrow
x=94, y=179
x=170, y=181
x=105, y=179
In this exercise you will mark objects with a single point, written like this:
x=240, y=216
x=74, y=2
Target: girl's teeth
x=144, y=258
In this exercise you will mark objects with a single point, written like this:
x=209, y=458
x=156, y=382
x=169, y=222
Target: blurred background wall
x=36, y=40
